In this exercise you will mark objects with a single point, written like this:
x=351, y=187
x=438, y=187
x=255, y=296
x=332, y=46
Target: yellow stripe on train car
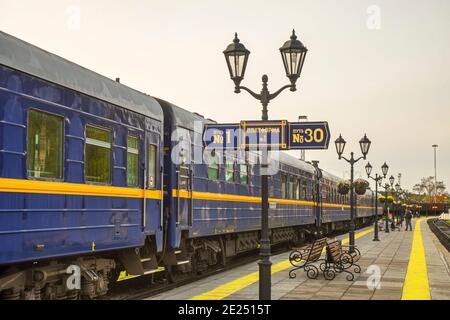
x=211, y=196
x=66, y=188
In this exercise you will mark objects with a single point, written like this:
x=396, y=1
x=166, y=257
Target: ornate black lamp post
x=364, y=144
x=398, y=191
x=377, y=178
x=386, y=188
x=293, y=53
x=317, y=213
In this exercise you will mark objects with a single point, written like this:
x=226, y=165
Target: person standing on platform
x=408, y=218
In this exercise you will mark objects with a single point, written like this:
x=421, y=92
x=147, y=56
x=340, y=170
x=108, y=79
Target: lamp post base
x=375, y=235
x=265, y=273
x=352, y=240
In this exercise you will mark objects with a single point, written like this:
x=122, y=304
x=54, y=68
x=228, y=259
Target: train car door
x=184, y=196
x=152, y=218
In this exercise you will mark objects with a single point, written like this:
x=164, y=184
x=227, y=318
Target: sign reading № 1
x=277, y=134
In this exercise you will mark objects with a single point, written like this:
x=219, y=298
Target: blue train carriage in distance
x=335, y=207
x=212, y=210
x=80, y=176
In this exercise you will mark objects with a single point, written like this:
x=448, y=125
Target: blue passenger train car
x=213, y=200
x=80, y=168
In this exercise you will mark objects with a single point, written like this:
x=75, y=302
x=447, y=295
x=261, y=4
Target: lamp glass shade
x=384, y=169
x=368, y=168
x=293, y=53
x=340, y=145
x=391, y=180
x=365, y=143
x=236, y=56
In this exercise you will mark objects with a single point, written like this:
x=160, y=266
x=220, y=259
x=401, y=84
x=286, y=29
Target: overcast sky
x=375, y=67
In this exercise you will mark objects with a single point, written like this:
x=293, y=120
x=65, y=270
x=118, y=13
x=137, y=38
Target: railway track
x=442, y=231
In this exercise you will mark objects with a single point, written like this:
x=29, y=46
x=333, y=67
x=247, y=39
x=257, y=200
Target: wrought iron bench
x=304, y=258
x=340, y=259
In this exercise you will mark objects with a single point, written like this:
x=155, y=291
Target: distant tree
x=427, y=188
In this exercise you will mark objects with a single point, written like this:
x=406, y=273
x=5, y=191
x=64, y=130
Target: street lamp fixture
x=236, y=56
x=364, y=143
x=377, y=179
x=340, y=145
x=391, y=180
x=368, y=169
x=384, y=170
x=293, y=53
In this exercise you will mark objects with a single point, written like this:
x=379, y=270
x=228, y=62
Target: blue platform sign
x=222, y=136
x=263, y=134
x=308, y=135
x=269, y=135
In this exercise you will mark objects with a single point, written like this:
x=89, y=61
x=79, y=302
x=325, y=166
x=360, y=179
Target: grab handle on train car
x=144, y=199
x=191, y=201
x=177, y=215
x=161, y=202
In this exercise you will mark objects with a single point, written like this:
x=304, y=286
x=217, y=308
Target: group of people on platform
x=407, y=216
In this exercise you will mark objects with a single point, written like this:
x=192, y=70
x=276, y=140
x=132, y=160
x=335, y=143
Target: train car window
x=45, y=145
x=152, y=158
x=97, y=161
x=304, y=190
x=243, y=175
x=213, y=169
x=283, y=185
x=132, y=161
x=291, y=187
x=297, y=189
x=229, y=170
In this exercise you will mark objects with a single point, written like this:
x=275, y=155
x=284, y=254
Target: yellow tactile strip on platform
x=416, y=286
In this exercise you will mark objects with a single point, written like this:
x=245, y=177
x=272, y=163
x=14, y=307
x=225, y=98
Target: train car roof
x=182, y=117
x=331, y=176
x=23, y=56
x=297, y=163
x=305, y=166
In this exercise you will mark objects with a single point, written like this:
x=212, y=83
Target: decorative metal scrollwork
x=311, y=271
x=296, y=258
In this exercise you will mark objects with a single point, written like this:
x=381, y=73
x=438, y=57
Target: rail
x=441, y=229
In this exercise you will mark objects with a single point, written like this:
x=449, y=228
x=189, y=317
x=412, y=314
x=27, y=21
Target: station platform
x=403, y=265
